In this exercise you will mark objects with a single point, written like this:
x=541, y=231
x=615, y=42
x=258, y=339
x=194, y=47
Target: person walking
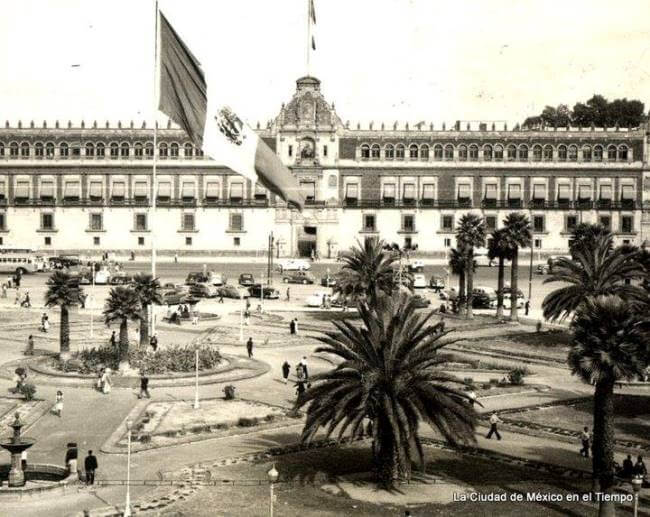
x=640, y=468
x=494, y=420
x=300, y=373
x=441, y=325
x=144, y=385
x=46, y=324
x=113, y=339
x=71, y=455
x=295, y=325
x=19, y=277
x=249, y=347
x=527, y=307
x=154, y=342
x=195, y=317
x=292, y=327
x=100, y=380
x=286, y=368
x=247, y=317
x=300, y=388
x=303, y=366
x=106, y=381
x=30, y=345
x=4, y=290
x=628, y=467
x=175, y=258
x=57, y=409
x=19, y=297
x=585, y=438
x=220, y=295
x=288, y=294
x=90, y=466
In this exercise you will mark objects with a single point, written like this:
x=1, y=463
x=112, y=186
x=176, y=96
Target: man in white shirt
x=494, y=420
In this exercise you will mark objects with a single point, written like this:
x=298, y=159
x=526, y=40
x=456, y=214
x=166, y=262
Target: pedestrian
x=247, y=317
x=345, y=304
x=538, y=327
x=113, y=340
x=19, y=297
x=300, y=374
x=106, y=381
x=443, y=308
x=45, y=323
x=100, y=379
x=132, y=255
x=628, y=467
x=82, y=300
x=286, y=368
x=295, y=325
x=494, y=420
x=90, y=466
x=58, y=404
x=472, y=397
x=292, y=327
x=249, y=347
x=220, y=295
x=527, y=307
x=441, y=325
x=300, y=389
x=640, y=468
x=9, y=283
x=248, y=305
x=176, y=258
x=19, y=277
x=4, y=290
x=71, y=456
x=288, y=294
x=154, y=342
x=195, y=317
x=144, y=385
x=30, y=345
x=26, y=301
x=585, y=438
x=303, y=365
x=23, y=460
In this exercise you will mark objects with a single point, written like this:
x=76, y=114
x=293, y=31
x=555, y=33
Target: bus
x=14, y=260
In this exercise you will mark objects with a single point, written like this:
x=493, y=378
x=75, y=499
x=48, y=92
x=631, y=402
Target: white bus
x=13, y=260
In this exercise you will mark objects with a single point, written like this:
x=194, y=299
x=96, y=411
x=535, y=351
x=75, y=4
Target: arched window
x=2, y=149
x=199, y=152
x=148, y=150
x=24, y=150
x=13, y=150
x=487, y=153
x=124, y=151
x=101, y=150
x=188, y=150
x=449, y=152
x=49, y=150
x=173, y=151
x=511, y=153
x=115, y=151
x=375, y=151
x=622, y=153
x=598, y=153
x=437, y=152
x=138, y=151
x=389, y=151
x=424, y=152
x=163, y=151
x=64, y=151
x=523, y=153
x=462, y=153
x=573, y=153
x=90, y=150
x=586, y=153
x=498, y=153
x=548, y=153
x=365, y=152
x=399, y=151
x=473, y=153
x=562, y=153
x=537, y=153
x=611, y=153
x=413, y=152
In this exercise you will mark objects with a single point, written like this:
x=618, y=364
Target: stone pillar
x=16, y=474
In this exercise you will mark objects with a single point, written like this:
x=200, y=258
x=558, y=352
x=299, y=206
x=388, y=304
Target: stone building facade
x=88, y=189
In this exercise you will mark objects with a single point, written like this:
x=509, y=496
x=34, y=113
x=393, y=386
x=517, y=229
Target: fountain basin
x=41, y=480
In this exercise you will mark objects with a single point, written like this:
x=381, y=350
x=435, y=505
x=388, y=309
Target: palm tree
x=390, y=373
x=470, y=234
x=457, y=266
x=595, y=270
x=609, y=345
x=122, y=305
x=499, y=248
x=148, y=291
x=64, y=293
x=518, y=235
x=586, y=234
x=368, y=270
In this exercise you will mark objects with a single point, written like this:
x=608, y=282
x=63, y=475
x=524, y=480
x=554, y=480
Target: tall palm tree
x=122, y=305
x=499, y=248
x=518, y=235
x=609, y=345
x=390, y=373
x=586, y=234
x=470, y=234
x=148, y=291
x=457, y=267
x=367, y=271
x=595, y=270
x=63, y=292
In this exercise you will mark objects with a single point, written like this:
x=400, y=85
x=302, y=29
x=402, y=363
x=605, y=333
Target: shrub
x=221, y=426
x=494, y=381
x=469, y=381
x=145, y=438
x=28, y=390
x=248, y=422
x=516, y=376
x=229, y=392
x=487, y=386
x=269, y=418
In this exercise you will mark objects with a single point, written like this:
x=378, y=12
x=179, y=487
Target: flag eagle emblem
x=230, y=125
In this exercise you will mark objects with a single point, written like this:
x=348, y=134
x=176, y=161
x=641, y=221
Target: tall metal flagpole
x=156, y=88
x=308, y=34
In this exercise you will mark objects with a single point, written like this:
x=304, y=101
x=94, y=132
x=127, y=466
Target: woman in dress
x=100, y=377
x=106, y=381
x=58, y=405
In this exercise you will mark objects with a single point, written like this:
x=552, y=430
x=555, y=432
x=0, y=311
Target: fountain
x=16, y=446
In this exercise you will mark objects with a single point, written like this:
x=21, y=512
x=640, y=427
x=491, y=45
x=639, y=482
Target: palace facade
x=88, y=189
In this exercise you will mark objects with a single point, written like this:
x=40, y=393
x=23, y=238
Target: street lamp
x=127, y=503
x=637, y=483
x=273, y=477
x=92, y=299
x=241, y=318
x=196, y=381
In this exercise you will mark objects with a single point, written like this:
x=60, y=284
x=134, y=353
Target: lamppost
x=127, y=503
x=273, y=477
x=241, y=318
x=92, y=299
x=196, y=377
x=262, y=294
x=328, y=277
x=637, y=483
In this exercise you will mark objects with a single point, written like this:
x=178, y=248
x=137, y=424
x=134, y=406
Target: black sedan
x=255, y=291
x=229, y=291
x=246, y=279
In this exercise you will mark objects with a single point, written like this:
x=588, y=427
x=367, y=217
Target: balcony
x=627, y=204
x=604, y=204
x=514, y=203
x=584, y=204
x=489, y=203
x=537, y=203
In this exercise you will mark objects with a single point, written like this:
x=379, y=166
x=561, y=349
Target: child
x=58, y=405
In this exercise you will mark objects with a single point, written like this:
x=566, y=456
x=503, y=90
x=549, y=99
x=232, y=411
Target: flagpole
x=308, y=34
x=155, y=159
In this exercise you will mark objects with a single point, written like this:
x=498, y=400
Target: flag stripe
x=312, y=11
x=183, y=92
x=313, y=43
x=275, y=176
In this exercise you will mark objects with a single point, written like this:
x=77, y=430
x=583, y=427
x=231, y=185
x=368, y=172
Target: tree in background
x=64, y=292
x=148, y=290
x=499, y=248
x=122, y=305
x=470, y=234
x=586, y=234
x=518, y=235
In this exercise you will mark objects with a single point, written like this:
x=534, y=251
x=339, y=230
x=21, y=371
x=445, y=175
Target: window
x=188, y=150
x=562, y=153
x=437, y=152
x=124, y=151
x=523, y=153
x=188, y=241
x=622, y=153
x=605, y=198
x=47, y=241
x=538, y=243
x=424, y=152
x=188, y=222
x=447, y=242
x=90, y=150
x=498, y=153
x=627, y=195
x=47, y=189
x=408, y=193
x=163, y=151
x=76, y=151
x=408, y=223
x=449, y=152
x=332, y=181
x=537, y=153
x=212, y=189
x=22, y=190
x=13, y=150
x=448, y=222
x=96, y=222
x=365, y=152
x=290, y=151
x=464, y=193
x=573, y=153
x=95, y=190
x=101, y=150
x=369, y=223
x=388, y=193
x=548, y=153
x=538, y=223
x=462, y=153
x=236, y=241
x=473, y=153
x=539, y=192
x=3, y=221
x=140, y=222
x=164, y=190
x=514, y=195
x=236, y=191
x=375, y=151
x=308, y=188
x=138, y=151
x=428, y=193
x=605, y=221
x=490, y=222
x=24, y=150
x=140, y=190
x=188, y=191
x=352, y=191
x=140, y=241
x=236, y=222
x=512, y=153
x=39, y=151
x=148, y=150
x=96, y=241
x=584, y=192
x=389, y=152
x=571, y=222
x=47, y=221
x=71, y=190
x=586, y=153
x=598, y=153
x=119, y=190
x=413, y=152
x=408, y=243
x=324, y=156
x=627, y=224
x=173, y=151
x=611, y=153
x=491, y=194
x=114, y=150
x=563, y=193
x=49, y=150
x=64, y=151
x=487, y=153
x=399, y=151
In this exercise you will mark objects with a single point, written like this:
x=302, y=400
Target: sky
x=378, y=60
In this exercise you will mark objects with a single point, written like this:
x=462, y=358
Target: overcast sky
x=381, y=60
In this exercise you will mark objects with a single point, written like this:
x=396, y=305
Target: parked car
x=316, y=299
x=270, y=293
x=217, y=278
x=293, y=265
x=421, y=302
x=196, y=278
x=507, y=291
x=120, y=278
x=553, y=259
x=246, y=279
x=542, y=269
x=203, y=290
x=64, y=261
x=419, y=281
x=507, y=302
x=437, y=283
x=298, y=277
x=416, y=266
x=328, y=281
x=230, y=291
x=482, y=297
